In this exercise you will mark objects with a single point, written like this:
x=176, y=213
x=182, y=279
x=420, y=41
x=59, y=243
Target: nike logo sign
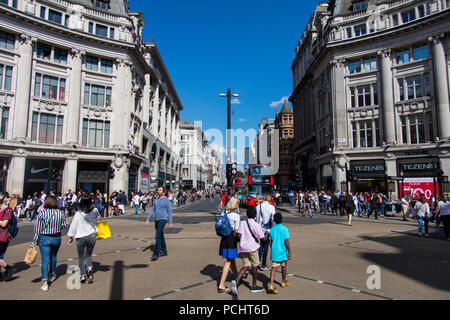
x=34, y=171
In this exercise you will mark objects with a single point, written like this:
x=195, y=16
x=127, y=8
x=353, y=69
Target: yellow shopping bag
x=103, y=231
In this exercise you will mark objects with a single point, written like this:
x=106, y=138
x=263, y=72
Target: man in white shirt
x=144, y=200
x=264, y=217
x=136, y=200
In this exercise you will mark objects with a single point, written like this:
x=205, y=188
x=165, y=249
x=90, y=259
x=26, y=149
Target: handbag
x=103, y=231
x=30, y=256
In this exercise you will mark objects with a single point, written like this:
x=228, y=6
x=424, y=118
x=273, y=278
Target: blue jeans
x=49, y=247
x=137, y=209
x=85, y=246
x=382, y=206
x=422, y=222
x=159, y=237
x=323, y=207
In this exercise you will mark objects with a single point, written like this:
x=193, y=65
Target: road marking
x=319, y=281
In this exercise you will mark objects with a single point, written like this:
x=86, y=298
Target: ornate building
x=371, y=94
x=284, y=122
x=81, y=92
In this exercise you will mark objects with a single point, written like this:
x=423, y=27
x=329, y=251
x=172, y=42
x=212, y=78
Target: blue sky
x=209, y=46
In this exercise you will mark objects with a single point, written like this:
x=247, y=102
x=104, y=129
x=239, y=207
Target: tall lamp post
x=229, y=162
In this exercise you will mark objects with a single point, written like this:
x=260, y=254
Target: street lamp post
x=228, y=164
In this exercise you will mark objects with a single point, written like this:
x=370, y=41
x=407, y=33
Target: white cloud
x=278, y=103
x=236, y=101
x=242, y=120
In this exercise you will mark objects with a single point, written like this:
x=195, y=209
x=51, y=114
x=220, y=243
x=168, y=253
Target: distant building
x=284, y=123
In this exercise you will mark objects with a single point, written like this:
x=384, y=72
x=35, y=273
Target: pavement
x=329, y=261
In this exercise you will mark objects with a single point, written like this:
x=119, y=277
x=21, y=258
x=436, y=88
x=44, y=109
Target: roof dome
x=286, y=108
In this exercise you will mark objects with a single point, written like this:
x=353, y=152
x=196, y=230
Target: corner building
x=371, y=94
x=81, y=92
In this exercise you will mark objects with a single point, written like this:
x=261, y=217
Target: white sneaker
x=44, y=287
x=234, y=288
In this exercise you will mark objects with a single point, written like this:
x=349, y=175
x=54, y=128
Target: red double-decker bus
x=238, y=186
x=258, y=181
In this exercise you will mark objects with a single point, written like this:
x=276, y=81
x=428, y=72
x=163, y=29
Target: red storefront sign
x=418, y=186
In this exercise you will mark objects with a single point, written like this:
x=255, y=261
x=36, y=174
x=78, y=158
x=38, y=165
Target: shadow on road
x=117, y=283
x=421, y=259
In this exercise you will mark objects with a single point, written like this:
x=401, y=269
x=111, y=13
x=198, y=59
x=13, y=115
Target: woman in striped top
x=47, y=232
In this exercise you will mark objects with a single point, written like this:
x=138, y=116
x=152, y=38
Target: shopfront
x=368, y=176
x=92, y=176
x=419, y=176
x=43, y=175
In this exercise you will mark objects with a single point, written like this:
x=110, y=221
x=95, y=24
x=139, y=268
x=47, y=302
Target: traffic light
x=54, y=174
x=111, y=171
x=349, y=175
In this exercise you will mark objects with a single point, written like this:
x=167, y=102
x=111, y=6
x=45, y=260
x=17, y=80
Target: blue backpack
x=223, y=226
x=13, y=229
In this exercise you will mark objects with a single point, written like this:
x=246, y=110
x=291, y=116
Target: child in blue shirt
x=280, y=251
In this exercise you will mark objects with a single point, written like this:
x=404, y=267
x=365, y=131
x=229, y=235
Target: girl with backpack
x=228, y=244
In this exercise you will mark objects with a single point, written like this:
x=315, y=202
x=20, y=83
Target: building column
x=70, y=175
x=387, y=96
x=441, y=86
x=120, y=180
x=23, y=92
x=339, y=108
x=74, y=108
x=121, y=121
x=16, y=174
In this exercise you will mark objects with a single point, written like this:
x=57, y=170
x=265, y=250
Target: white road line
x=320, y=281
x=355, y=290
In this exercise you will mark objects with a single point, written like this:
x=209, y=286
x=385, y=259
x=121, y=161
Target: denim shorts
x=3, y=247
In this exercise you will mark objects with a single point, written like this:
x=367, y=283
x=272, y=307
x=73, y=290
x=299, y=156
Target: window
x=360, y=30
x=106, y=66
x=96, y=133
x=91, y=63
x=355, y=135
x=408, y=16
x=354, y=67
x=66, y=20
x=49, y=87
x=7, y=41
x=42, y=15
x=54, y=16
x=46, y=128
x=403, y=56
x=91, y=27
x=5, y=77
x=416, y=87
x=60, y=56
x=103, y=5
x=370, y=64
x=404, y=131
x=43, y=51
x=98, y=96
x=365, y=64
x=349, y=32
x=365, y=134
x=101, y=31
x=420, y=52
x=430, y=127
x=421, y=11
x=4, y=123
x=112, y=33
x=417, y=129
x=363, y=96
x=361, y=5
x=395, y=20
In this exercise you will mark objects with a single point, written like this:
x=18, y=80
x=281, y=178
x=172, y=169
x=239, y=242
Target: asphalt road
x=330, y=261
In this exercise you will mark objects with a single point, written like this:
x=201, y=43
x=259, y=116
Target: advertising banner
x=418, y=186
x=144, y=182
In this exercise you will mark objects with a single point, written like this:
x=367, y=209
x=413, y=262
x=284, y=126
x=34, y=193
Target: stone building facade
x=80, y=93
x=371, y=94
